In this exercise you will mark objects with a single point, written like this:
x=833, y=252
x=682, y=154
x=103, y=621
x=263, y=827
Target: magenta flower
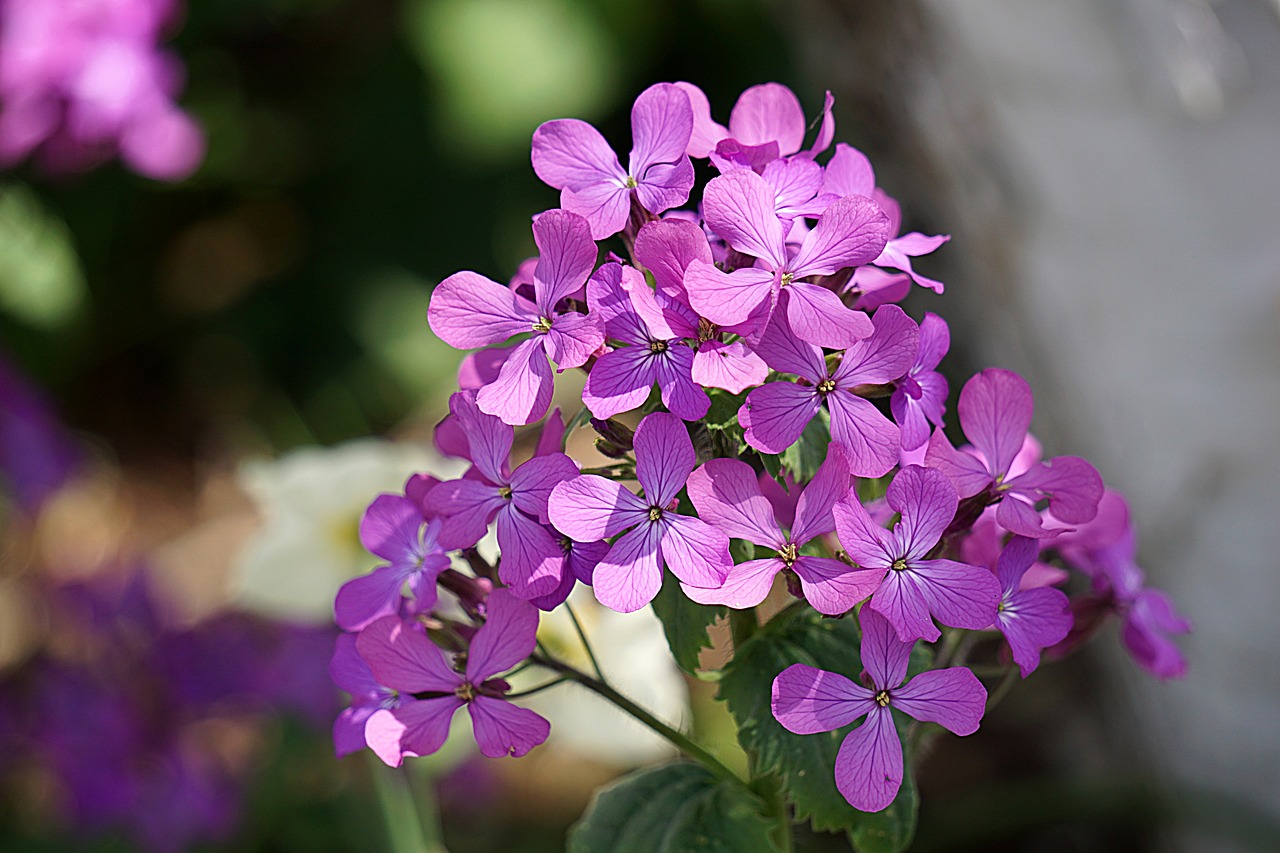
x=590, y=508
x=741, y=208
x=766, y=123
x=620, y=380
x=850, y=173
x=995, y=411
x=920, y=397
x=532, y=559
x=666, y=248
x=431, y=691
x=915, y=589
x=571, y=156
x=775, y=414
x=352, y=675
x=728, y=496
x=1030, y=619
x=83, y=82
x=468, y=311
x=868, y=769
x=392, y=528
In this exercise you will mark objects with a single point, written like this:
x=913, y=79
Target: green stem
x=1002, y=689
x=535, y=690
x=743, y=623
x=582, y=635
x=678, y=739
x=407, y=832
x=770, y=791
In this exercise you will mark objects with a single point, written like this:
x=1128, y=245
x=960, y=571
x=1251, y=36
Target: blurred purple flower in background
x=37, y=455
x=82, y=81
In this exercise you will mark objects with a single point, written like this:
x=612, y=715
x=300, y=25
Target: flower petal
x=784, y=351
x=664, y=457
x=746, y=585
x=769, y=112
x=488, y=439
x=900, y=600
x=532, y=562
x=589, y=508
x=871, y=440
x=522, y=393
x=927, y=502
x=503, y=729
x=727, y=495
x=884, y=655
x=403, y=659
x=661, y=125
x=808, y=701
x=667, y=247
x=817, y=316
x=532, y=482
x=729, y=299
x=995, y=410
x=849, y=172
x=866, y=542
x=363, y=599
x=468, y=310
x=620, y=381
x=776, y=413
x=630, y=575
x=414, y=729
x=958, y=594
x=706, y=133
x=813, y=510
x=680, y=394
x=508, y=636
x=694, y=551
x=869, y=763
x=853, y=231
x=573, y=338
x=571, y=154
x=739, y=207
x=566, y=256
x=832, y=587
x=730, y=366
x=953, y=698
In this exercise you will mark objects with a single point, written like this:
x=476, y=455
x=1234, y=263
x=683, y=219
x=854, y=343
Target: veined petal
x=927, y=502
x=884, y=655
x=869, y=438
x=665, y=185
x=866, y=542
x=784, y=351
x=706, y=133
x=571, y=154
x=966, y=472
x=730, y=155
x=694, y=551
x=808, y=701
x=661, y=126
x=664, y=457
x=769, y=112
x=630, y=575
x=826, y=130
x=667, y=247
x=739, y=207
x=833, y=588
x=794, y=182
x=1014, y=560
x=573, y=338
x=817, y=316
x=589, y=508
x=680, y=394
x=848, y=173
x=884, y=356
x=391, y=528
x=605, y=206
x=348, y=732
x=414, y=729
x=869, y=763
x=609, y=295
x=900, y=600
x=522, y=393
x=488, y=439
x=959, y=595
x=620, y=381
x=935, y=341
x=468, y=310
x=507, y=636
x=953, y=698
x=746, y=585
x=729, y=299
x=1031, y=620
x=532, y=482
x=995, y=410
x=1072, y=485
x=666, y=316
x=776, y=413
x=349, y=671
x=465, y=508
x=566, y=256
x=363, y=599
x=853, y=231
x=1016, y=515
x=727, y=494
x=404, y=659
x=731, y=366
x=813, y=509
x=503, y=729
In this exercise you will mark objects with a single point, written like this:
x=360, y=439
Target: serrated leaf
x=676, y=808
x=684, y=622
x=808, y=453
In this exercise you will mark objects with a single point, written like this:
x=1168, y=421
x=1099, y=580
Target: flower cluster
x=767, y=410
x=81, y=82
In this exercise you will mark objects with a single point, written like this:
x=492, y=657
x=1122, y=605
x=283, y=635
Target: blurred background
x=204, y=379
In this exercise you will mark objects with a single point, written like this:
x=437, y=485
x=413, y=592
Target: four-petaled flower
x=1030, y=619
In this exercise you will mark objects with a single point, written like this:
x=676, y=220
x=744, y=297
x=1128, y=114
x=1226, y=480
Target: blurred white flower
x=311, y=501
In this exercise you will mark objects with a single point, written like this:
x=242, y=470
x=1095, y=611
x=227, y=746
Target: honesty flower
x=920, y=397
x=590, y=508
x=766, y=123
x=573, y=157
x=995, y=411
x=1030, y=619
x=352, y=675
x=869, y=764
x=776, y=413
x=468, y=310
x=404, y=660
x=915, y=588
x=727, y=495
x=741, y=208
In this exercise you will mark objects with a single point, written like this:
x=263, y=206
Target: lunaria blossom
x=915, y=589
x=920, y=397
x=766, y=123
x=1030, y=619
x=431, y=691
x=589, y=508
x=868, y=768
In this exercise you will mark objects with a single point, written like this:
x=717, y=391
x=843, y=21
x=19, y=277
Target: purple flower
x=620, y=380
x=916, y=588
x=775, y=414
x=728, y=496
x=532, y=560
x=37, y=455
x=766, y=123
x=82, y=82
x=850, y=173
x=392, y=528
x=920, y=397
x=869, y=764
x=995, y=411
x=468, y=310
x=741, y=208
x=352, y=675
x=431, y=691
x=1030, y=619
x=590, y=508
x=573, y=157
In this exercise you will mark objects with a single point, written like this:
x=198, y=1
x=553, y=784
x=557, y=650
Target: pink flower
x=767, y=122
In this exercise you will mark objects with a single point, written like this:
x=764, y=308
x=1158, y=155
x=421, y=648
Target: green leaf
x=684, y=622
x=804, y=457
x=723, y=413
x=676, y=808
x=890, y=830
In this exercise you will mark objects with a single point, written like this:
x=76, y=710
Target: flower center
x=899, y=565
x=655, y=513
x=657, y=346
x=789, y=554
x=826, y=386
x=543, y=325
x=882, y=698
x=787, y=278
x=505, y=493
x=466, y=692
x=631, y=183
x=566, y=544
x=706, y=330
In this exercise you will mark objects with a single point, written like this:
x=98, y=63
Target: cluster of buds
x=748, y=366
